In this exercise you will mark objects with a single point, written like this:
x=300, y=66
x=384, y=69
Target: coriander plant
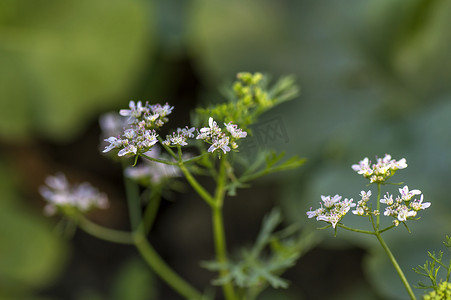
x=441, y=288
x=209, y=148
x=400, y=208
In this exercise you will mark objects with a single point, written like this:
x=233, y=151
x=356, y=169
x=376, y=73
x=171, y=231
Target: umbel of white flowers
x=62, y=196
x=143, y=121
x=402, y=208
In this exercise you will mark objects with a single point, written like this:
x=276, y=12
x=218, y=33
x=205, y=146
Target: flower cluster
x=140, y=136
x=219, y=139
x=333, y=211
x=403, y=207
x=362, y=208
x=136, y=140
x=441, y=292
x=383, y=169
x=153, y=116
x=60, y=195
x=179, y=137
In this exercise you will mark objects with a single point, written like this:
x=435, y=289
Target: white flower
x=208, y=132
x=128, y=150
x=220, y=144
x=223, y=140
x=406, y=195
x=236, y=132
x=332, y=219
x=135, y=110
x=401, y=164
x=180, y=137
x=59, y=195
x=162, y=111
x=114, y=143
x=363, y=167
x=330, y=202
x=417, y=205
x=365, y=195
x=333, y=211
x=388, y=199
x=359, y=211
x=381, y=170
x=316, y=212
x=404, y=213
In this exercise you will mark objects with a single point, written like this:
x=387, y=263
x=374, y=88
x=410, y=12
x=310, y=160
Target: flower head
x=61, y=196
x=362, y=207
x=179, y=137
x=383, y=169
x=333, y=211
x=404, y=207
x=219, y=139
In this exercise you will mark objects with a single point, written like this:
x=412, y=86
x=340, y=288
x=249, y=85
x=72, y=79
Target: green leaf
x=134, y=281
x=64, y=61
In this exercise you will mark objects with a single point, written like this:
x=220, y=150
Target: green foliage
x=31, y=255
x=134, y=281
x=62, y=62
x=431, y=269
x=265, y=163
x=273, y=252
x=250, y=96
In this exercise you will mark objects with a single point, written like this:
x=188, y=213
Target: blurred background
x=375, y=79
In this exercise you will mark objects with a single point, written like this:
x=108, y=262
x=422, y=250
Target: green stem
x=166, y=162
x=133, y=202
x=221, y=249
x=204, y=194
x=396, y=265
x=163, y=270
x=167, y=148
x=152, y=208
x=107, y=234
x=218, y=228
x=356, y=230
x=378, y=205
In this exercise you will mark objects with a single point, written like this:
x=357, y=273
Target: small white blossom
x=220, y=144
x=359, y=211
x=383, y=169
x=219, y=139
x=128, y=150
x=235, y=131
x=403, y=213
x=60, y=195
x=330, y=201
x=388, y=199
x=406, y=195
x=180, y=137
x=403, y=207
x=333, y=211
x=418, y=204
x=114, y=143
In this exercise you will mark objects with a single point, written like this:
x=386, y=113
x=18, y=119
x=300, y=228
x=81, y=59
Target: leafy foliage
x=260, y=266
x=265, y=163
x=431, y=269
x=250, y=97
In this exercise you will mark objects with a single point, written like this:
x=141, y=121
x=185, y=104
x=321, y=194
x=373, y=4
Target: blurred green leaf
x=62, y=62
x=134, y=281
x=30, y=255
